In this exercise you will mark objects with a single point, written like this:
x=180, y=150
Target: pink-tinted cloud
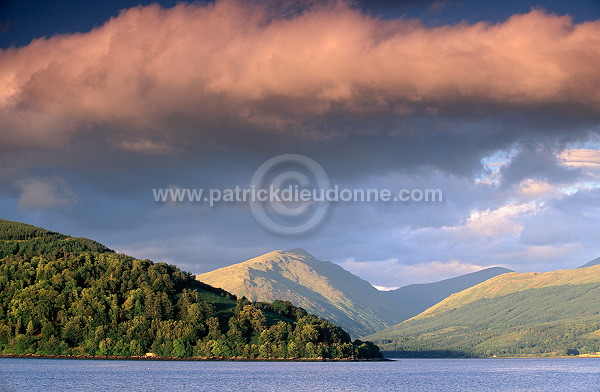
x=148, y=68
x=394, y=272
x=586, y=158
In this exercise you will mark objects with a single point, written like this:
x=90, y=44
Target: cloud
x=487, y=226
x=180, y=88
x=544, y=253
x=390, y=273
x=45, y=194
x=536, y=189
x=437, y=270
x=537, y=164
x=586, y=158
x=150, y=68
x=146, y=146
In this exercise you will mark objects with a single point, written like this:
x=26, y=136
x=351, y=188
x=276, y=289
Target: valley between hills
x=328, y=290
x=492, y=312
x=62, y=295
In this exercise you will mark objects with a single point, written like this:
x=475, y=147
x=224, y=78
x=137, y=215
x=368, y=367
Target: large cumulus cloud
x=150, y=72
x=201, y=94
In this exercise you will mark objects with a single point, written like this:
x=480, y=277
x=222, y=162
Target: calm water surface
x=49, y=375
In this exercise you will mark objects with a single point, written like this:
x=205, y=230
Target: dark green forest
x=72, y=296
x=22, y=239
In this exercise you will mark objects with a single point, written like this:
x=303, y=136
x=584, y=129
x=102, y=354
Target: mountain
x=549, y=313
x=56, y=299
x=320, y=287
x=328, y=290
x=419, y=297
x=591, y=263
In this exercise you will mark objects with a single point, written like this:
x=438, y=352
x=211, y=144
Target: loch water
x=48, y=375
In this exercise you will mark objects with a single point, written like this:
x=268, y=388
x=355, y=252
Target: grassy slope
x=320, y=287
x=533, y=313
x=514, y=282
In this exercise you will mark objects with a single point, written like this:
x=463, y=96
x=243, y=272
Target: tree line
x=21, y=239
x=63, y=302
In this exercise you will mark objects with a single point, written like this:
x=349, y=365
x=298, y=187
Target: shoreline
x=240, y=359
x=196, y=359
x=392, y=358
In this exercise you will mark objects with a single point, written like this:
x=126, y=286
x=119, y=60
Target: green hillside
x=101, y=303
x=22, y=239
x=321, y=287
x=548, y=313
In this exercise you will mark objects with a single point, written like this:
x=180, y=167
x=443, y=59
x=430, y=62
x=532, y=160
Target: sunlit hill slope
x=511, y=314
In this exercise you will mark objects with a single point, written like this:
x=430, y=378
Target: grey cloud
x=45, y=193
x=537, y=164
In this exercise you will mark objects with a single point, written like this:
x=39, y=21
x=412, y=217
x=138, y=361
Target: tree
x=180, y=349
x=135, y=348
x=105, y=347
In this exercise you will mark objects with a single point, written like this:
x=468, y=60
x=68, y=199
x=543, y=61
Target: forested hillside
x=55, y=301
x=22, y=239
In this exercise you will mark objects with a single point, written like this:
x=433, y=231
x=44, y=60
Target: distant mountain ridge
x=591, y=263
x=419, y=297
x=326, y=289
x=550, y=313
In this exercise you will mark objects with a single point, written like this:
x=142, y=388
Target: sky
x=494, y=104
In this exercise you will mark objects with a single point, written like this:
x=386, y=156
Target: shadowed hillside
x=591, y=263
